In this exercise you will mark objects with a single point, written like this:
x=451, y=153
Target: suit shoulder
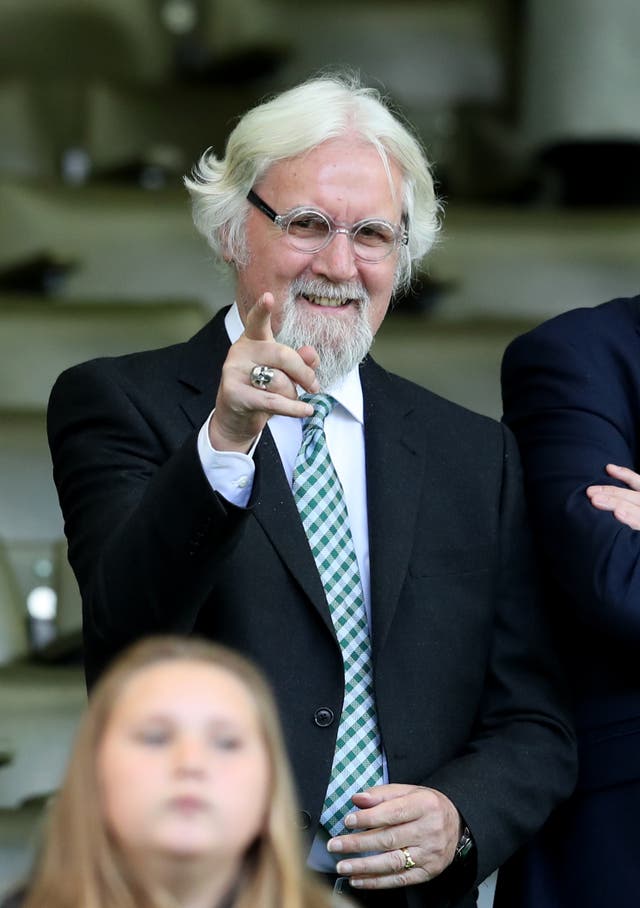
x=134, y=375
x=607, y=320
x=127, y=365
x=147, y=368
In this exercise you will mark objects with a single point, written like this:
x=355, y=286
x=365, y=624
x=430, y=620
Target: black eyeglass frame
x=400, y=234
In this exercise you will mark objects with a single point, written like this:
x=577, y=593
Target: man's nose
x=337, y=260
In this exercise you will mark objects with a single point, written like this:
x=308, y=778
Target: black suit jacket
x=571, y=391
x=465, y=681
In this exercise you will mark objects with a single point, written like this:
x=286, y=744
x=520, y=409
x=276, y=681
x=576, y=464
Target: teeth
x=325, y=301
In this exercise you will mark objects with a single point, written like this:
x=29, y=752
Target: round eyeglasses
x=310, y=230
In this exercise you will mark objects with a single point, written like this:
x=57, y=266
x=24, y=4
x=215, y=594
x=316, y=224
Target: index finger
x=387, y=805
x=379, y=793
x=628, y=476
x=258, y=325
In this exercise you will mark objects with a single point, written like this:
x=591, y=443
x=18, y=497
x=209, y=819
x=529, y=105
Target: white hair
x=292, y=123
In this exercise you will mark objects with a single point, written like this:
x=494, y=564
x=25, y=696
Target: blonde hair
x=82, y=867
x=292, y=123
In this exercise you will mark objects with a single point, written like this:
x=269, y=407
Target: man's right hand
x=242, y=410
x=624, y=504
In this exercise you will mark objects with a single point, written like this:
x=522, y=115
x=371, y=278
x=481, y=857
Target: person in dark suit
x=571, y=391
x=376, y=565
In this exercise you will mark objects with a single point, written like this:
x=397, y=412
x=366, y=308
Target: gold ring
x=408, y=860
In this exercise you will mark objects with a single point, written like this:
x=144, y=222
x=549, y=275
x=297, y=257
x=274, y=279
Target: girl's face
x=182, y=767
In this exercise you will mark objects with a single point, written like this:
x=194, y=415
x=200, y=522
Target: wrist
x=222, y=441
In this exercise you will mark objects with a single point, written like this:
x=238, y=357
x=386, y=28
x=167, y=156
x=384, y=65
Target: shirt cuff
x=229, y=473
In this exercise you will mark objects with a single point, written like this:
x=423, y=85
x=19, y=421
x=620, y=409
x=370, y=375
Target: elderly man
x=268, y=485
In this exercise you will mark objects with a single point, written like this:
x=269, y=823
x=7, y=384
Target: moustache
x=329, y=290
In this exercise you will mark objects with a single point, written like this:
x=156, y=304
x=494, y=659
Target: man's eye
x=308, y=224
x=374, y=234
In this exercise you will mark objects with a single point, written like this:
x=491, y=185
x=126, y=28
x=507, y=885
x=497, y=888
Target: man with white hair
x=269, y=486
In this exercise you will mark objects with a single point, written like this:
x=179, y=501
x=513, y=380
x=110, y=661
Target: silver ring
x=261, y=376
x=408, y=860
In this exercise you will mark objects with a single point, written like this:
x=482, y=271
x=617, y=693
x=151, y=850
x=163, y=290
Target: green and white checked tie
x=357, y=762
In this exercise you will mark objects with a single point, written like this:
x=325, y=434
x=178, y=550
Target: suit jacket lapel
x=200, y=368
x=272, y=503
x=395, y=459
x=275, y=510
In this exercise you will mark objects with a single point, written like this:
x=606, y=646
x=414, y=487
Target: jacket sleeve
x=571, y=395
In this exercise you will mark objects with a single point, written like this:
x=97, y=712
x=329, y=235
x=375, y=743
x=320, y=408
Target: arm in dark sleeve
x=571, y=396
x=146, y=532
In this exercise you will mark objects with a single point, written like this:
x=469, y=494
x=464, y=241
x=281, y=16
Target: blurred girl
x=177, y=792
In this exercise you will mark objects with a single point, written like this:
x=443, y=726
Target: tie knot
x=322, y=405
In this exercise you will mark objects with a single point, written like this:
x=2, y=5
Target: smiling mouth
x=329, y=302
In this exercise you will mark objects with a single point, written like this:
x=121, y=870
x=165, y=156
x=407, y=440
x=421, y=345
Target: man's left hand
x=393, y=820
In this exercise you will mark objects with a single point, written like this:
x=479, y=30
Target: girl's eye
x=153, y=737
x=227, y=742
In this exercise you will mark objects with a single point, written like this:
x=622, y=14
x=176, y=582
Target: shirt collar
x=233, y=323
x=347, y=391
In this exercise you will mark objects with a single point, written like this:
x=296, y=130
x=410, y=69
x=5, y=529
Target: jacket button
x=323, y=717
x=304, y=820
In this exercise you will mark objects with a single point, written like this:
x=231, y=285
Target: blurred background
x=529, y=110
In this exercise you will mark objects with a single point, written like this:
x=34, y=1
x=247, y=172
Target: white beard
x=340, y=344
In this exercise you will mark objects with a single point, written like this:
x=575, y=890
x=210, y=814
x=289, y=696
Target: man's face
x=345, y=178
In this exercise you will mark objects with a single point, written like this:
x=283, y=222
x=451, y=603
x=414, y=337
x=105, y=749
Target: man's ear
x=225, y=246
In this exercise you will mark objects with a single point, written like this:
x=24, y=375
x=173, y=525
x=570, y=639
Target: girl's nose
x=189, y=754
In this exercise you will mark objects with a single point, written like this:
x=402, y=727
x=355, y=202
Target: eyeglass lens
x=311, y=231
